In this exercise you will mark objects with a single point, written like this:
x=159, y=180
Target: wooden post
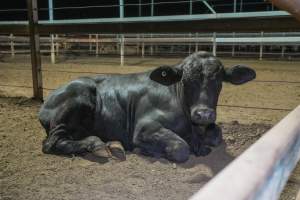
x=12, y=45
x=52, y=50
x=35, y=50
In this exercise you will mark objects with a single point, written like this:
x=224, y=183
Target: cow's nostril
x=204, y=116
x=199, y=113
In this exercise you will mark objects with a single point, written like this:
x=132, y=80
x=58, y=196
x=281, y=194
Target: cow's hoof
x=178, y=153
x=103, y=152
x=213, y=136
x=117, y=150
x=203, y=151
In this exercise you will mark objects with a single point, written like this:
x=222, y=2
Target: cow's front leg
x=197, y=141
x=162, y=142
x=213, y=135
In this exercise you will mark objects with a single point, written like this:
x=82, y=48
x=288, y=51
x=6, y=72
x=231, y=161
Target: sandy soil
x=27, y=173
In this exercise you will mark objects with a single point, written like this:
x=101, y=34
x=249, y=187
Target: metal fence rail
x=261, y=172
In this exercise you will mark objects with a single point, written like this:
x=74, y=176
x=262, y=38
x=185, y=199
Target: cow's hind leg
x=59, y=142
x=68, y=118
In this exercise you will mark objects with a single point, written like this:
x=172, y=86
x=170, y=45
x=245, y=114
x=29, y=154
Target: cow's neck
x=181, y=98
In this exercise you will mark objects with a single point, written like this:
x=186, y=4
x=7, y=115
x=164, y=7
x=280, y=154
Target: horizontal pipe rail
x=156, y=18
x=245, y=40
x=219, y=105
x=261, y=172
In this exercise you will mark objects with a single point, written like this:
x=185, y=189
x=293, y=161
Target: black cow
x=167, y=112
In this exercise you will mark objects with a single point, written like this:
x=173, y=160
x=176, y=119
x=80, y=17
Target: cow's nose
x=204, y=116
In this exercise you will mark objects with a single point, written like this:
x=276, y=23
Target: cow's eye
x=163, y=73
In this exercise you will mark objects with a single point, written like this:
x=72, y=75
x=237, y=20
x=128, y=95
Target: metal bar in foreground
x=261, y=172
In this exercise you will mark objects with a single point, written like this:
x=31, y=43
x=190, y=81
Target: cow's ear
x=239, y=74
x=166, y=75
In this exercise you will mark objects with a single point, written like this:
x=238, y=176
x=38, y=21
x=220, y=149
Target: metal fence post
x=214, y=44
x=35, y=49
x=122, y=50
x=12, y=45
x=97, y=45
x=261, y=46
x=52, y=49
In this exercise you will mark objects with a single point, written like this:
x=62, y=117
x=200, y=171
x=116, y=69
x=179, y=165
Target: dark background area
x=163, y=8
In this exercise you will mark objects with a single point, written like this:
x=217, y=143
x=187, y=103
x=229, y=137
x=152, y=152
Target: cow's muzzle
x=203, y=116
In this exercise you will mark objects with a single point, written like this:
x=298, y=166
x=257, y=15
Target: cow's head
x=201, y=75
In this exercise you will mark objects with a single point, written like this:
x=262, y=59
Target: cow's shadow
x=216, y=160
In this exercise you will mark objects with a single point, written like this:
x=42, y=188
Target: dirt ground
x=27, y=173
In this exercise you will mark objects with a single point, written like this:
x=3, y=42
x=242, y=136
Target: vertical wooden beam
x=35, y=50
x=12, y=45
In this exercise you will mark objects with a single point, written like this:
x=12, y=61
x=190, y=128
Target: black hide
x=167, y=112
